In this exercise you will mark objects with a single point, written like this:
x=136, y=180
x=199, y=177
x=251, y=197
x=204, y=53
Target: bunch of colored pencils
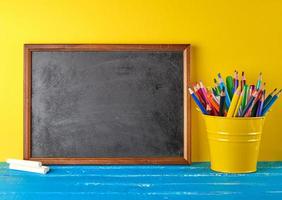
x=234, y=98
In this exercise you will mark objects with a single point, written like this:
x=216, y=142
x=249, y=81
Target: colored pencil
x=197, y=93
x=230, y=86
x=260, y=92
x=263, y=86
x=251, y=90
x=237, y=81
x=248, y=113
x=234, y=102
x=243, y=80
x=202, y=108
x=254, y=110
x=249, y=104
x=216, y=99
x=234, y=81
x=217, y=87
x=259, y=81
x=214, y=91
x=256, y=101
x=269, y=97
x=200, y=92
x=245, y=96
x=213, y=103
x=222, y=102
x=260, y=105
x=209, y=110
x=233, y=97
x=272, y=101
x=222, y=85
x=205, y=93
x=238, y=103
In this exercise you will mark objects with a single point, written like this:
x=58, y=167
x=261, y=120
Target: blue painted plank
x=138, y=196
x=141, y=182
x=142, y=171
x=143, y=188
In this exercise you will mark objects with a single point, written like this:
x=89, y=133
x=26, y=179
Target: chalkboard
x=119, y=104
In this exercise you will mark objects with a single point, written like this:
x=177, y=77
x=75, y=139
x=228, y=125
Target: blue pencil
x=235, y=82
x=222, y=85
x=260, y=104
x=197, y=102
x=273, y=99
x=268, y=98
x=249, y=104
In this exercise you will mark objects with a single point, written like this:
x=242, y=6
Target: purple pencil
x=260, y=104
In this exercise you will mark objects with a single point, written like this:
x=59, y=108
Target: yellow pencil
x=234, y=102
x=239, y=103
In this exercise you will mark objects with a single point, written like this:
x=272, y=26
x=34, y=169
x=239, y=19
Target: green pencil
x=216, y=86
x=259, y=81
x=245, y=96
x=230, y=86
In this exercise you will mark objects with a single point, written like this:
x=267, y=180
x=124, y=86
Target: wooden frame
x=185, y=48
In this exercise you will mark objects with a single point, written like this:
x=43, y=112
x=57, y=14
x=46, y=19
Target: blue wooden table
x=141, y=182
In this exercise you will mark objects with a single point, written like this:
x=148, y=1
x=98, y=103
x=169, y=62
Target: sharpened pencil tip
x=190, y=91
x=201, y=84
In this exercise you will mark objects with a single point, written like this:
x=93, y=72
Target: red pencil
x=197, y=93
x=204, y=93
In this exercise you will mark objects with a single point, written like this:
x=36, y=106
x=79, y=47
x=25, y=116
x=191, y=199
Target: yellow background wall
x=225, y=35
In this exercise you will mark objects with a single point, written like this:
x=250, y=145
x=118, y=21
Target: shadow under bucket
x=234, y=143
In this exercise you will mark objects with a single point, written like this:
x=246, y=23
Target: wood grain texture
x=27, y=102
x=185, y=48
x=109, y=161
x=155, y=182
x=187, y=105
x=107, y=47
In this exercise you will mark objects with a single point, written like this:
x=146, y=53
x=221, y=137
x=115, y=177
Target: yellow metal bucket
x=234, y=143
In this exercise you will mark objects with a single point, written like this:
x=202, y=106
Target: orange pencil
x=213, y=103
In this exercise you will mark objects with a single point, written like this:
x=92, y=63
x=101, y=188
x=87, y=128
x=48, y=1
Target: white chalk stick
x=40, y=170
x=25, y=162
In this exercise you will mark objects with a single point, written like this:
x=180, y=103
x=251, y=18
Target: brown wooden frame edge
x=29, y=48
x=109, y=161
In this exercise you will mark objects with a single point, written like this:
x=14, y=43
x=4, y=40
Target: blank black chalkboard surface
x=107, y=104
